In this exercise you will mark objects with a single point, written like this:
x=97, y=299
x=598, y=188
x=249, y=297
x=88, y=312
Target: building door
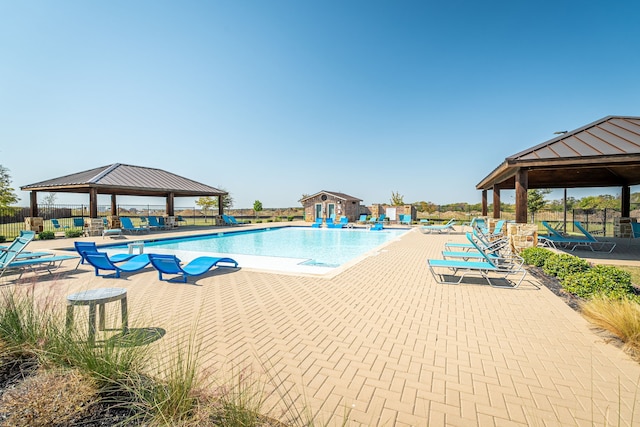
x=318, y=210
x=331, y=210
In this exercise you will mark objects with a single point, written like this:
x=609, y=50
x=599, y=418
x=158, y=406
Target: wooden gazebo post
x=521, y=195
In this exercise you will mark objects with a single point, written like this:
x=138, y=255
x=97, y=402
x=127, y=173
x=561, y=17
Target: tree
x=535, y=200
x=7, y=195
x=206, y=203
x=257, y=207
x=397, y=199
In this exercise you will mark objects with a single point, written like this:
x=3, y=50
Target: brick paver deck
x=384, y=345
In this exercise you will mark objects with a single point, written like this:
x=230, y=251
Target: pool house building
x=327, y=204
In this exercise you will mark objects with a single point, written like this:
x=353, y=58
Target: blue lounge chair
x=101, y=261
x=128, y=226
x=90, y=247
x=377, y=226
x=381, y=218
x=14, y=257
x=446, y=271
x=445, y=228
x=154, y=224
x=57, y=226
x=317, y=223
x=635, y=232
x=596, y=245
x=557, y=240
x=78, y=222
x=170, y=264
x=362, y=219
x=372, y=220
x=405, y=219
x=230, y=220
x=344, y=222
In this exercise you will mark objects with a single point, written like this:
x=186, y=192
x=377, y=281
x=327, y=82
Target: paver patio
x=385, y=345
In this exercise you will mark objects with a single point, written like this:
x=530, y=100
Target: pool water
x=284, y=246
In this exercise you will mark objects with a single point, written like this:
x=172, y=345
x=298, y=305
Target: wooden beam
x=220, y=207
x=496, y=202
x=485, y=208
x=625, y=200
x=521, y=196
x=93, y=203
x=114, y=206
x=33, y=204
x=170, y=207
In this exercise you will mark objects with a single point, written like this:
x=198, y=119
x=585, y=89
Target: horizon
x=273, y=100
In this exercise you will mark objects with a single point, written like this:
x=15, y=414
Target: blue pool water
x=307, y=246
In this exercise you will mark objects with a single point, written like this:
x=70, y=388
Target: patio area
x=384, y=345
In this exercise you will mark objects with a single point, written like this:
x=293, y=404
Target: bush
x=290, y=218
x=73, y=233
x=562, y=265
x=536, y=256
x=47, y=235
x=606, y=280
x=3, y=239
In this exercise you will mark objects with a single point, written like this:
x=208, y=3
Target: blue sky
x=274, y=99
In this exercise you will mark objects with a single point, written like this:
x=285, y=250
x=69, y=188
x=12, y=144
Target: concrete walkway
x=384, y=345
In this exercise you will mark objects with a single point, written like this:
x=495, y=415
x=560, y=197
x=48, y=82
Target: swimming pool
x=298, y=249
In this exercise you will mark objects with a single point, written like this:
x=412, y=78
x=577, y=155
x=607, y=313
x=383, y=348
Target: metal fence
x=12, y=219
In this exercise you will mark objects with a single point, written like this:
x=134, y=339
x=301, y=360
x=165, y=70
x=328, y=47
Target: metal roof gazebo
x=126, y=180
x=605, y=153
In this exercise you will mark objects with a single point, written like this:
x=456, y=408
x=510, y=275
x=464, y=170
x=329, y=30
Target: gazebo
x=126, y=180
x=605, y=153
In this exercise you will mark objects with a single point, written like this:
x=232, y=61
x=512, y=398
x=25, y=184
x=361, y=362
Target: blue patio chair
x=405, y=219
x=447, y=271
x=127, y=226
x=154, y=223
x=170, y=264
x=377, y=226
x=557, y=240
x=362, y=219
x=596, y=245
x=57, y=226
x=317, y=223
x=78, y=222
x=90, y=247
x=14, y=257
x=100, y=261
x=445, y=228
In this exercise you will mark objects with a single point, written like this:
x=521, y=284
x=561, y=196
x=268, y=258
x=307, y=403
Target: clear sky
x=274, y=99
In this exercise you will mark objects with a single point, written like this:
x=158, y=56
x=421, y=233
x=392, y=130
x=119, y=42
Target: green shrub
x=290, y=218
x=3, y=239
x=606, y=280
x=73, y=233
x=258, y=221
x=562, y=265
x=47, y=235
x=536, y=256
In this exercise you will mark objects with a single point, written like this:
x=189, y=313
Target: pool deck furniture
x=101, y=261
x=128, y=227
x=557, y=240
x=97, y=298
x=487, y=265
x=90, y=247
x=111, y=232
x=170, y=264
x=444, y=228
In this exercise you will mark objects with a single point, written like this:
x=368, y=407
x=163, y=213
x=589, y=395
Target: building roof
x=335, y=194
x=601, y=154
x=124, y=179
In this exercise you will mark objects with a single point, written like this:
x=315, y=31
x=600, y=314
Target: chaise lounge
x=170, y=264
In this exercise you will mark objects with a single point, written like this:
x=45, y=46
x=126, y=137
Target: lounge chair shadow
x=211, y=273
x=136, y=337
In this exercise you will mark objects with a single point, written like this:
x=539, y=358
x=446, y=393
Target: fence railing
x=12, y=219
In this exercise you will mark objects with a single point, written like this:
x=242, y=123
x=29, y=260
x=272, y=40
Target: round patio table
x=98, y=297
